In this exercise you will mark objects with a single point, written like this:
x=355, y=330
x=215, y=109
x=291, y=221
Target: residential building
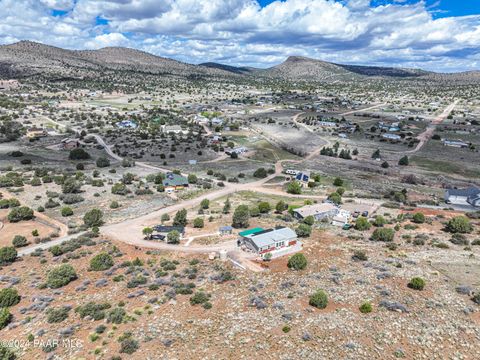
x=469, y=196
x=318, y=211
x=174, y=182
x=225, y=230
x=36, y=133
x=392, y=137
x=327, y=123
x=277, y=242
x=343, y=217
x=127, y=124
x=238, y=150
x=455, y=143
x=176, y=129
x=69, y=144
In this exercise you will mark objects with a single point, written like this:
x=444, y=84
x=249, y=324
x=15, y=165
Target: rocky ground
x=254, y=315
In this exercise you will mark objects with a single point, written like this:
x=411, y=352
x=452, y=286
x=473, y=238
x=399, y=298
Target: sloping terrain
x=27, y=58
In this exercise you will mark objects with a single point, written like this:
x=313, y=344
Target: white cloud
x=58, y=4
x=242, y=32
x=105, y=40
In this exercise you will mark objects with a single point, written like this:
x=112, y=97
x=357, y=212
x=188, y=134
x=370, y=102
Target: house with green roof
x=174, y=182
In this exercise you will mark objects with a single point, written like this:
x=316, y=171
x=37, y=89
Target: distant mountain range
x=27, y=58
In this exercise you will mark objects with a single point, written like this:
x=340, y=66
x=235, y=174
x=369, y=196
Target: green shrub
x=476, y=298
x=264, y=207
x=416, y=283
x=66, y=211
x=78, y=154
x=297, y=262
x=418, y=218
x=459, y=224
x=128, y=346
x=199, y=298
x=20, y=213
x=383, y=234
x=8, y=255
x=93, y=310
x=294, y=187
x=93, y=218
x=198, y=223
x=102, y=162
x=286, y=329
x=61, y=276
x=260, y=173
x=19, y=241
x=5, y=317
x=116, y=316
x=319, y=299
x=56, y=315
x=379, y=221
x=359, y=255
x=173, y=237
x=366, y=308
x=9, y=297
x=338, y=181
x=6, y=353
x=120, y=189
x=180, y=218
x=241, y=217
x=101, y=262
x=303, y=230
x=362, y=224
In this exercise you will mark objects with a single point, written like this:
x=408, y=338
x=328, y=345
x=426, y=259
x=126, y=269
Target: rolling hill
x=27, y=58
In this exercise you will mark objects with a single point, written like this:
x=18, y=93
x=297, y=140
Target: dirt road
x=428, y=133
x=366, y=109
x=130, y=231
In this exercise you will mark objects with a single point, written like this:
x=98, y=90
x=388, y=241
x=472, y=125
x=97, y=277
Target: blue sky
x=439, y=35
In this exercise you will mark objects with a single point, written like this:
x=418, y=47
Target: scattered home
x=36, y=133
x=318, y=211
x=469, y=196
x=214, y=139
x=225, y=230
x=455, y=143
x=176, y=129
x=343, y=217
x=127, y=124
x=200, y=119
x=161, y=231
x=174, y=182
x=192, y=162
x=69, y=144
x=277, y=242
x=217, y=121
x=238, y=150
x=391, y=137
x=291, y=172
x=343, y=136
x=327, y=123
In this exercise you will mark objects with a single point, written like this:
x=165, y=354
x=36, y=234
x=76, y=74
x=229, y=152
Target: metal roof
x=250, y=231
x=271, y=236
x=175, y=180
x=316, y=209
